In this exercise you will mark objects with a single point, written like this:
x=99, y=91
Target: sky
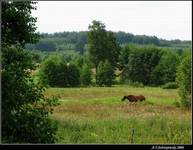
x=167, y=20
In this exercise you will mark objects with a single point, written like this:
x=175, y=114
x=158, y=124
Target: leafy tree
x=141, y=64
x=73, y=75
x=112, y=49
x=184, y=81
x=56, y=73
x=124, y=60
x=85, y=75
x=25, y=111
x=97, y=41
x=105, y=74
x=165, y=71
x=19, y=93
x=102, y=45
x=18, y=26
x=124, y=56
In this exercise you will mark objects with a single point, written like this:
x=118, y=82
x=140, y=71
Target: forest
x=78, y=41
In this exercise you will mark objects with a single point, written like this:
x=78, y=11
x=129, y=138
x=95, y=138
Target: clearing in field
x=97, y=115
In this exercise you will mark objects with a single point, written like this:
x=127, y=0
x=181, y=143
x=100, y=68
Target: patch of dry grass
x=99, y=111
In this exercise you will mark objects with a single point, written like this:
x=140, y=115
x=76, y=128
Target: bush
x=56, y=73
x=165, y=71
x=105, y=74
x=85, y=75
x=52, y=71
x=21, y=122
x=73, y=75
x=184, y=81
x=170, y=85
x=141, y=63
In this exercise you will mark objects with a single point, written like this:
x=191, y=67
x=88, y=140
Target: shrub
x=73, y=75
x=56, y=73
x=105, y=74
x=184, y=81
x=52, y=71
x=170, y=85
x=141, y=63
x=165, y=71
x=21, y=122
x=85, y=75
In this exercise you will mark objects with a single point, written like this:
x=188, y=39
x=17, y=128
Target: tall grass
x=155, y=130
x=97, y=115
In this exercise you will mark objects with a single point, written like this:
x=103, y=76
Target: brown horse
x=133, y=98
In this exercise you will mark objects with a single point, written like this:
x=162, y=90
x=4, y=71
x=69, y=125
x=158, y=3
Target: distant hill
x=77, y=41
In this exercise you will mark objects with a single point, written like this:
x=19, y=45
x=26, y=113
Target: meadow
x=97, y=115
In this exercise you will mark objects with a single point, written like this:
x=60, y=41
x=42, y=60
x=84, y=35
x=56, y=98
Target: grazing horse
x=133, y=98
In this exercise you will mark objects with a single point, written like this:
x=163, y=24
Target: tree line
x=78, y=41
x=149, y=65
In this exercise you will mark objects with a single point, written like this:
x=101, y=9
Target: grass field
x=97, y=115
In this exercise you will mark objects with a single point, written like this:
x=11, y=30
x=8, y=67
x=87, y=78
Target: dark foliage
x=25, y=110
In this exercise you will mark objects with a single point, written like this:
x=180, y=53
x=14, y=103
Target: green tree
x=184, y=81
x=85, y=75
x=18, y=26
x=165, y=71
x=73, y=75
x=97, y=41
x=102, y=45
x=124, y=56
x=112, y=50
x=25, y=110
x=105, y=74
x=142, y=61
x=124, y=60
x=54, y=72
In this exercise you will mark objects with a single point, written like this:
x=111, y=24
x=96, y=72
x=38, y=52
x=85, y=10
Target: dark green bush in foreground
x=25, y=111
